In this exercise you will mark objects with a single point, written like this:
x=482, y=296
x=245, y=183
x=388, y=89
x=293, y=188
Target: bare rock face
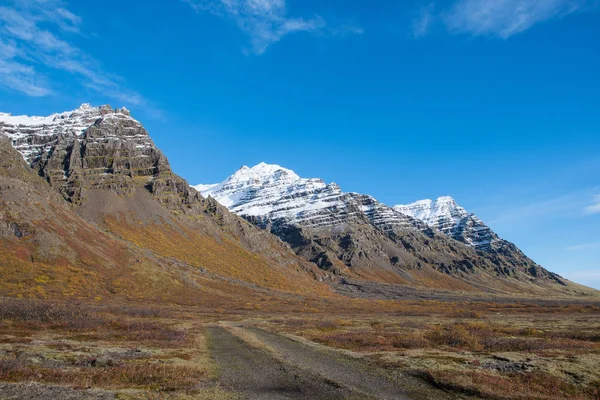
x=34, y=136
x=445, y=215
x=10, y=162
x=96, y=148
x=351, y=233
x=99, y=165
x=114, y=153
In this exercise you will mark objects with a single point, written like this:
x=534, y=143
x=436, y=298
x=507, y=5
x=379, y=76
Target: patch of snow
x=32, y=136
x=445, y=215
x=204, y=188
x=276, y=193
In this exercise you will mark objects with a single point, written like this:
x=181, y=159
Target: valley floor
x=417, y=350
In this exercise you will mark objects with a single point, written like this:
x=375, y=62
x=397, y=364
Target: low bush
x=516, y=386
x=157, y=376
x=146, y=331
x=64, y=314
x=140, y=311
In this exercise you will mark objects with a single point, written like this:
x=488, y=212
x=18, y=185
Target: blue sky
x=494, y=102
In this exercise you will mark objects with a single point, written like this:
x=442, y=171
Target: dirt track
x=255, y=374
x=300, y=371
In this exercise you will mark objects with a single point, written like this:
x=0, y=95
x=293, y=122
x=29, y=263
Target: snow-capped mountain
x=272, y=193
x=35, y=136
x=87, y=148
x=338, y=230
x=445, y=215
x=104, y=163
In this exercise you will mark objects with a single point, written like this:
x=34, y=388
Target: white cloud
x=423, y=22
x=584, y=246
x=569, y=204
x=595, y=207
x=505, y=18
x=17, y=76
x=266, y=21
x=22, y=78
x=34, y=35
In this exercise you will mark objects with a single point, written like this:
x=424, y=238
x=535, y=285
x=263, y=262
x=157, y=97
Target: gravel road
x=281, y=368
x=347, y=372
x=257, y=375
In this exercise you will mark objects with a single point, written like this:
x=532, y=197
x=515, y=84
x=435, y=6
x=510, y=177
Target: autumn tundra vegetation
x=119, y=280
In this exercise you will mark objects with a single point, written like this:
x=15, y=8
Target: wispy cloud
x=34, y=35
x=505, y=18
x=569, y=203
x=496, y=18
x=20, y=77
x=595, y=207
x=423, y=22
x=266, y=21
x=584, y=246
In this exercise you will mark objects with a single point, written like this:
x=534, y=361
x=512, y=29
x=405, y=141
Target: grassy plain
x=524, y=350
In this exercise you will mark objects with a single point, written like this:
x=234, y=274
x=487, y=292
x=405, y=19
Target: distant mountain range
x=354, y=233
x=90, y=207
x=273, y=192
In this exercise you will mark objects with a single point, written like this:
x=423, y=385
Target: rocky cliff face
x=446, y=216
x=351, y=233
x=451, y=219
x=34, y=136
x=105, y=165
x=96, y=148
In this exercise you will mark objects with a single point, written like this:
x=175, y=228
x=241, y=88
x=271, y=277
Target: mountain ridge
x=331, y=227
x=112, y=176
x=104, y=164
x=445, y=215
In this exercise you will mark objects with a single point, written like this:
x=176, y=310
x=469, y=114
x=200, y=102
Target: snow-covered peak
x=10, y=119
x=271, y=192
x=24, y=120
x=203, y=188
x=429, y=211
x=446, y=200
x=263, y=173
x=35, y=135
x=259, y=190
x=445, y=215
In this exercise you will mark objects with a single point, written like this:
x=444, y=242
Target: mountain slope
x=47, y=250
x=112, y=175
x=356, y=236
x=102, y=182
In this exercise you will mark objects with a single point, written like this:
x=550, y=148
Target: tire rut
x=354, y=374
x=257, y=375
